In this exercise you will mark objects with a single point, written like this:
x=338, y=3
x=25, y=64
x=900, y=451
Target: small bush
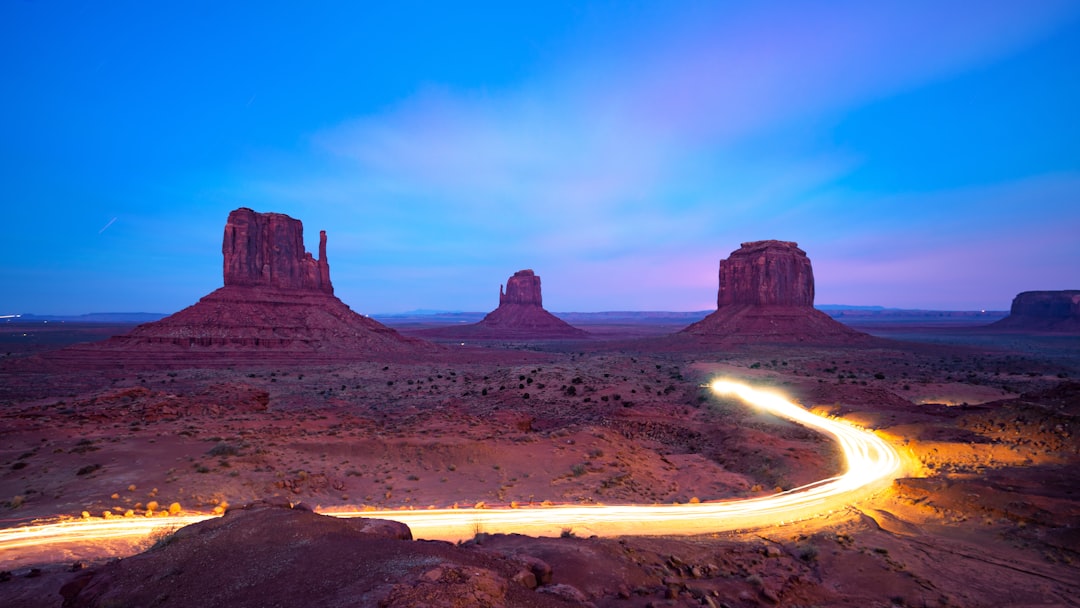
x=161, y=538
x=224, y=449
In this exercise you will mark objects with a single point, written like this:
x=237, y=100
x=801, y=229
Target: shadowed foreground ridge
x=766, y=293
x=264, y=555
x=276, y=298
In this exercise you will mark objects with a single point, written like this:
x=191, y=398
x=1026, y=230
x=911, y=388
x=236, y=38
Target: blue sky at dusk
x=923, y=154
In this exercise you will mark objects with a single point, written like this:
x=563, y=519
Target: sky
x=923, y=154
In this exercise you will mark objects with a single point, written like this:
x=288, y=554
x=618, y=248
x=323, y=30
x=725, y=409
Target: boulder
x=273, y=555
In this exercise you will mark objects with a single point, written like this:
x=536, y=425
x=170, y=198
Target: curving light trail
x=870, y=463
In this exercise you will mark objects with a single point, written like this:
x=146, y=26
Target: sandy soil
x=989, y=517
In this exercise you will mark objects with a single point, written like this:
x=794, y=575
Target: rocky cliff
x=766, y=293
x=520, y=316
x=277, y=298
x=1052, y=311
x=766, y=273
x=522, y=288
x=267, y=249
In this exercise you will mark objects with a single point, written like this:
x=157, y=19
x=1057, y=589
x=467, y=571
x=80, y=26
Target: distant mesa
x=1043, y=311
x=277, y=297
x=767, y=294
x=520, y=316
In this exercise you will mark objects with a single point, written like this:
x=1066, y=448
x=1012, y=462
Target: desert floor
x=987, y=515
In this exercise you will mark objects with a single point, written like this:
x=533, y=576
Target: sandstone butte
x=520, y=316
x=276, y=298
x=1043, y=311
x=766, y=294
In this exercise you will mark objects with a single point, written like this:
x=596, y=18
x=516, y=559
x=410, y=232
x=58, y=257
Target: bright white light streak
x=870, y=464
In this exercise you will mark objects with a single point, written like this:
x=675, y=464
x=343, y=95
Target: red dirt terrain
x=988, y=517
x=985, y=513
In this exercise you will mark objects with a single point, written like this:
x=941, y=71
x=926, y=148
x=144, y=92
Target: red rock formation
x=267, y=249
x=276, y=297
x=520, y=316
x=241, y=560
x=767, y=294
x=766, y=273
x=522, y=288
x=1049, y=311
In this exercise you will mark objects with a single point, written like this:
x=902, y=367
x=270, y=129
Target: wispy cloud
x=698, y=132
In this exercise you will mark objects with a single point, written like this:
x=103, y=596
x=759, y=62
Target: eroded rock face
x=1054, y=311
x=767, y=294
x=273, y=555
x=277, y=298
x=766, y=273
x=520, y=316
x=522, y=288
x=1047, y=304
x=267, y=249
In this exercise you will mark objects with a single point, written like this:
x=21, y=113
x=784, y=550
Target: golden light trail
x=870, y=464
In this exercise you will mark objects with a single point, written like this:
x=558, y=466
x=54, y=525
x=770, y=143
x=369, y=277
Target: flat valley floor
x=988, y=513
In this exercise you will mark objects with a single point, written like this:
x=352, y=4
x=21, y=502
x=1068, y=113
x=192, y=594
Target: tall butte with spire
x=767, y=294
x=520, y=316
x=276, y=297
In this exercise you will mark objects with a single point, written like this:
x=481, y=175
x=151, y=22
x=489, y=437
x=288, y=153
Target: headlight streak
x=871, y=464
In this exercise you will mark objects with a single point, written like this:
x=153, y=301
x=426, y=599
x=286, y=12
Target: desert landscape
x=588, y=303
x=269, y=402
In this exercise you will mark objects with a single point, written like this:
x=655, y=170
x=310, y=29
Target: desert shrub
x=578, y=470
x=161, y=538
x=808, y=553
x=223, y=449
